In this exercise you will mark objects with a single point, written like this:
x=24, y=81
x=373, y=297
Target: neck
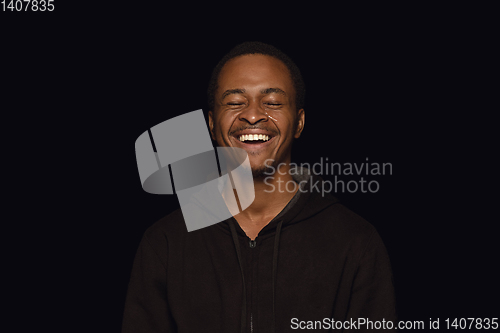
x=272, y=194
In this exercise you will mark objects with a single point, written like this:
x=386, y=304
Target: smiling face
x=255, y=110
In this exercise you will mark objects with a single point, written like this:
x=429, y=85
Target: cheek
x=286, y=124
x=223, y=125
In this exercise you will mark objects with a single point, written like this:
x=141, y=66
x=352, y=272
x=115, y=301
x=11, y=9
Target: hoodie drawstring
x=275, y=267
x=238, y=252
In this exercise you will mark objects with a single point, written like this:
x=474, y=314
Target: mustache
x=242, y=128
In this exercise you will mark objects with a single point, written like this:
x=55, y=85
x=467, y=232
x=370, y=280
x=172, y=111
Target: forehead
x=255, y=71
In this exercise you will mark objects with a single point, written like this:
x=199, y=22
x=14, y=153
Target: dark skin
x=255, y=95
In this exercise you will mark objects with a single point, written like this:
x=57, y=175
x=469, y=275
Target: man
x=294, y=259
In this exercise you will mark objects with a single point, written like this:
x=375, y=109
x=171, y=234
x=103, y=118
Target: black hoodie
x=315, y=262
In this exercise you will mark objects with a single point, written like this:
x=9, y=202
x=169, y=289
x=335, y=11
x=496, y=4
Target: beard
x=264, y=170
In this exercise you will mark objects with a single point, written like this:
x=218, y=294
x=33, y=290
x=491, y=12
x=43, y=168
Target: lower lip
x=254, y=146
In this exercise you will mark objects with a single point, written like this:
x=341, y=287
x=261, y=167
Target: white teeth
x=253, y=137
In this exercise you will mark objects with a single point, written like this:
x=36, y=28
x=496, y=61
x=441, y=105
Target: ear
x=211, y=124
x=301, y=120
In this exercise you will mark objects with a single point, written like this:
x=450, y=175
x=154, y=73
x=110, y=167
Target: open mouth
x=253, y=138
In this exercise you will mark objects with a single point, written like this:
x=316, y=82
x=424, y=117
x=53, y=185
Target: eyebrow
x=272, y=90
x=263, y=91
x=232, y=91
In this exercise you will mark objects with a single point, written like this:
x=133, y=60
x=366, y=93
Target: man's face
x=255, y=96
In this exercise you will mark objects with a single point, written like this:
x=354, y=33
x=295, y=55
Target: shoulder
x=168, y=227
x=343, y=229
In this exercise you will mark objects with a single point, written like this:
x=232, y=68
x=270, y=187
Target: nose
x=253, y=114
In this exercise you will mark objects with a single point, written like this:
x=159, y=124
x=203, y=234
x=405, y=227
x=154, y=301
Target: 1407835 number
x=28, y=5
x=471, y=323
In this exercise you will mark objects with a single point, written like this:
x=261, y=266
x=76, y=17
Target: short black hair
x=258, y=48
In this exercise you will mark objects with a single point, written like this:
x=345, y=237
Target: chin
x=262, y=169
x=260, y=173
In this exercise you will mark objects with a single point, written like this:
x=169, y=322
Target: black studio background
x=400, y=90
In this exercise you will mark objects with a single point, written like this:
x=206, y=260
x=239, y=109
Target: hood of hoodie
x=308, y=201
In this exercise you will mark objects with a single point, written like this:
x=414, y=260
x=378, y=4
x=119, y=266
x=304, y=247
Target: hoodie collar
x=307, y=201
